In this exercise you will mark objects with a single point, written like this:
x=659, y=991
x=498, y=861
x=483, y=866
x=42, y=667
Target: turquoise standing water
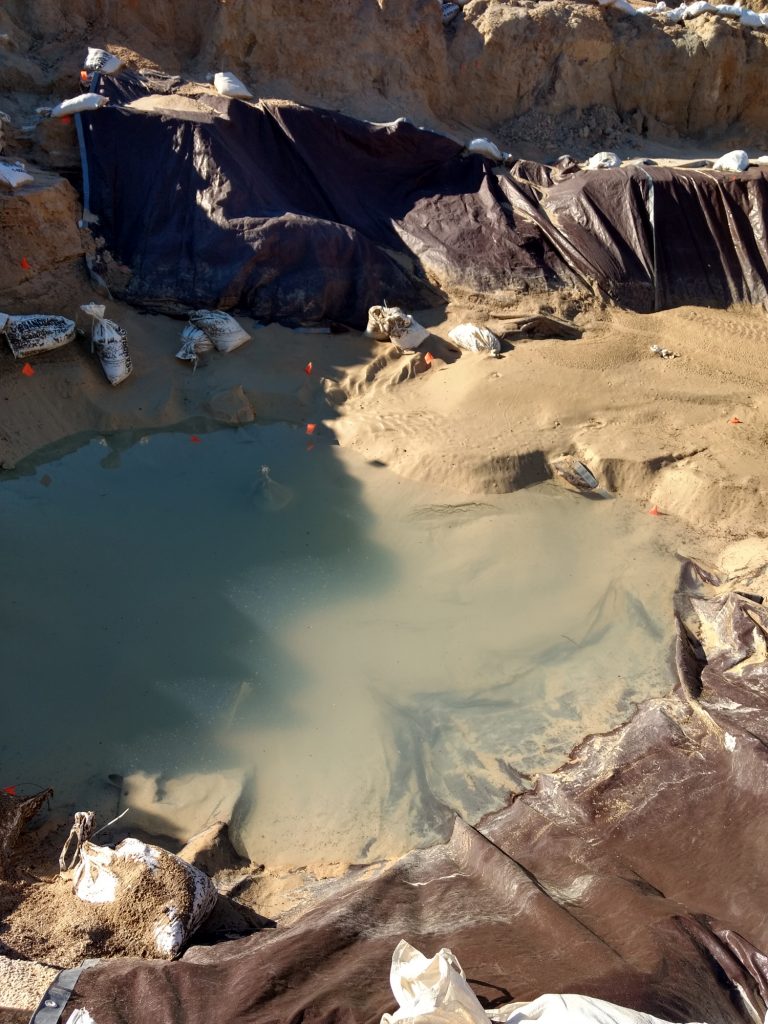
x=256, y=625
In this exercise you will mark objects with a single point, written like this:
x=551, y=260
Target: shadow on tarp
x=628, y=875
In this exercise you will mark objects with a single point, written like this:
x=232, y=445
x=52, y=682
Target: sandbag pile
x=221, y=329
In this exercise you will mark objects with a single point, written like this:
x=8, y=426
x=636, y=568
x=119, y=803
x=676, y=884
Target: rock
x=231, y=407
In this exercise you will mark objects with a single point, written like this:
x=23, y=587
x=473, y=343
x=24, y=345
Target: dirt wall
x=382, y=58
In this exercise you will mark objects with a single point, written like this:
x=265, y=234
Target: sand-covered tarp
x=297, y=214
x=635, y=874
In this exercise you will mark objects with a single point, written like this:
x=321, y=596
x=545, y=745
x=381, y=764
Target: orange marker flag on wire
x=734, y=420
x=24, y=263
x=10, y=790
x=311, y=428
x=28, y=370
x=654, y=511
x=195, y=439
x=429, y=358
x=308, y=369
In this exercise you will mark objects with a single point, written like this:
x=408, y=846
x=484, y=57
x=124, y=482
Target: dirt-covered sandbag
x=194, y=343
x=36, y=332
x=390, y=323
x=156, y=899
x=111, y=345
x=223, y=330
x=15, y=812
x=473, y=338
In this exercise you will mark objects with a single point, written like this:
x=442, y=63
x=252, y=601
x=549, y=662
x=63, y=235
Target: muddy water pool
x=336, y=658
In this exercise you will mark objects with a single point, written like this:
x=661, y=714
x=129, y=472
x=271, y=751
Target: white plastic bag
x=194, y=343
x=80, y=104
x=603, y=160
x=393, y=324
x=28, y=335
x=222, y=329
x=486, y=148
x=102, y=61
x=436, y=991
x=111, y=344
x=475, y=339
x=183, y=895
x=230, y=85
x=736, y=160
x=14, y=174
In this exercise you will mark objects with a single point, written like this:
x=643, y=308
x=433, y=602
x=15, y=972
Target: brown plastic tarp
x=637, y=873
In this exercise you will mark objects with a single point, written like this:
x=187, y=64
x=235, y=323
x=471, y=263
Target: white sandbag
x=28, y=335
x=697, y=8
x=750, y=18
x=102, y=61
x=222, y=329
x=14, y=175
x=475, y=339
x=486, y=148
x=194, y=343
x=602, y=160
x=80, y=104
x=390, y=323
x=111, y=344
x=230, y=85
x=436, y=991
x=176, y=897
x=736, y=160
x=762, y=161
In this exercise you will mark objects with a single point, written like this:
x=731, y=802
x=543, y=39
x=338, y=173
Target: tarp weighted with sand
x=296, y=214
x=635, y=874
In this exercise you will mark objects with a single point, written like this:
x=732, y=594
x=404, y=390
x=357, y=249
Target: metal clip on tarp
x=54, y=1002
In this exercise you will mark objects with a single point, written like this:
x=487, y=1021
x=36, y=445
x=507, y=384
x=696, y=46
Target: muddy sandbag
x=473, y=338
x=222, y=329
x=111, y=344
x=154, y=897
x=15, y=812
x=37, y=332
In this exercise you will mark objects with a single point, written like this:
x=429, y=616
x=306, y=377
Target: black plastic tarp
x=297, y=214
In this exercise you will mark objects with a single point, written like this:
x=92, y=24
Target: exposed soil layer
x=534, y=74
